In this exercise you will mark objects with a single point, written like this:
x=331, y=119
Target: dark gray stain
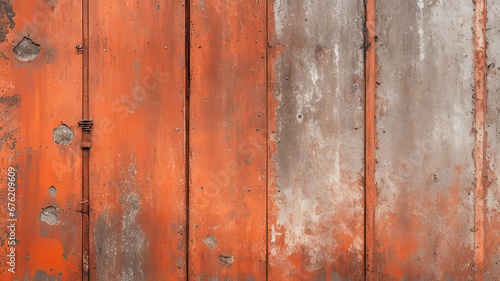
x=50, y=216
x=6, y=19
x=210, y=241
x=26, y=50
x=335, y=276
x=226, y=259
x=41, y=275
x=106, y=242
x=10, y=101
x=134, y=244
x=122, y=245
x=133, y=241
x=63, y=134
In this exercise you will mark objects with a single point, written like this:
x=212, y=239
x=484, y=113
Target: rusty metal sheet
x=316, y=216
x=424, y=218
x=137, y=184
x=40, y=94
x=227, y=153
x=492, y=219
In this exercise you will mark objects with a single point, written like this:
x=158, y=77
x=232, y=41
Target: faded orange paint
x=36, y=97
x=227, y=136
x=137, y=101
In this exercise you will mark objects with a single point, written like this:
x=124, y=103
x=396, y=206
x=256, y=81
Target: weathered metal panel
x=137, y=93
x=424, y=219
x=492, y=219
x=227, y=135
x=40, y=93
x=316, y=151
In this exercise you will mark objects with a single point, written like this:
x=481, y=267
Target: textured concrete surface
x=492, y=235
x=317, y=210
x=424, y=213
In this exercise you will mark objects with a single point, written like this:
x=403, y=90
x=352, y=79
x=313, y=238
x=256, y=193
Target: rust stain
x=370, y=196
x=480, y=17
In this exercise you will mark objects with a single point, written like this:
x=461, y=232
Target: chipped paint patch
x=26, y=50
x=53, y=191
x=226, y=259
x=63, y=134
x=210, y=241
x=50, y=216
x=41, y=275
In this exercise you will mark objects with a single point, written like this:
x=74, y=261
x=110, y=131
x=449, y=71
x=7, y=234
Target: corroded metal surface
x=227, y=138
x=250, y=140
x=137, y=184
x=424, y=219
x=40, y=94
x=316, y=197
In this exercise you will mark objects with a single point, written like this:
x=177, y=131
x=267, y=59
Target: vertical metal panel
x=36, y=97
x=316, y=196
x=137, y=76
x=227, y=216
x=492, y=220
x=425, y=171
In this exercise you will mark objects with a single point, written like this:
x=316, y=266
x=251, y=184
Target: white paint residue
x=337, y=56
x=308, y=197
x=280, y=8
x=314, y=74
x=421, y=6
x=274, y=233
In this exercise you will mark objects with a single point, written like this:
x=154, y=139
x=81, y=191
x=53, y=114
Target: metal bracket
x=86, y=124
